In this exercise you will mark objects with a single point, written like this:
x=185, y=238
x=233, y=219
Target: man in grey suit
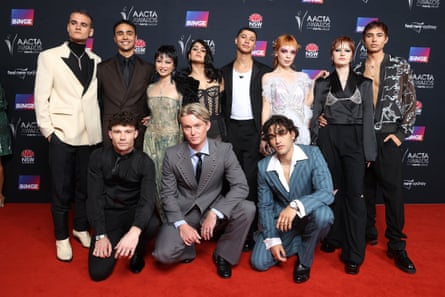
x=123, y=81
x=294, y=192
x=195, y=206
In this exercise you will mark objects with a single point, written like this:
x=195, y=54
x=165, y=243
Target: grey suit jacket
x=180, y=191
x=310, y=183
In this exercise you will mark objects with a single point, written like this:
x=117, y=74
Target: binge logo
x=22, y=17
x=197, y=19
x=362, y=22
x=24, y=101
x=313, y=1
x=311, y=72
x=419, y=54
x=29, y=182
x=260, y=49
x=418, y=134
x=89, y=44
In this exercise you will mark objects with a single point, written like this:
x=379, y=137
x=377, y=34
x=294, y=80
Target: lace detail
x=355, y=98
x=210, y=99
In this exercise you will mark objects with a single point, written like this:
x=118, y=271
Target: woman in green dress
x=5, y=140
x=164, y=102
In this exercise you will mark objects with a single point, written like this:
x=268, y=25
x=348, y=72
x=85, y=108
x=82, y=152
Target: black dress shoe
x=301, y=273
x=248, y=245
x=402, y=261
x=137, y=263
x=187, y=261
x=223, y=267
x=371, y=241
x=352, y=268
x=328, y=247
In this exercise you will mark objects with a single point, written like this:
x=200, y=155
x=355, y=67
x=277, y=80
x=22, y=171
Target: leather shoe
x=371, y=241
x=64, y=250
x=402, y=261
x=223, y=267
x=248, y=245
x=328, y=247
x=301, y=273
x=83, y=237
x=352, y=268
x=187, y=261
x=137, y=263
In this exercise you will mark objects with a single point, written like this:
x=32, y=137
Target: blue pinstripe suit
x=311, y=184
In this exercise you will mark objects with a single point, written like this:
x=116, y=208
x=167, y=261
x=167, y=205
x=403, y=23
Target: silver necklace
x=78, y=58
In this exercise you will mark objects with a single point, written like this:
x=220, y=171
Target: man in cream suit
x=294, y=191
x=195, y=207
x=116, y=94
x=68, y=115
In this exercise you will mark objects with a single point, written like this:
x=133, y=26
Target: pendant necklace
x=78, y=58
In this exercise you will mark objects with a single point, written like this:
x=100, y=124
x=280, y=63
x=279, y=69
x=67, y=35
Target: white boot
x=64, y=250
x=84, y=237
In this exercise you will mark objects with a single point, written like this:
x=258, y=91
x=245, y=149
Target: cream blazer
x=61, y=105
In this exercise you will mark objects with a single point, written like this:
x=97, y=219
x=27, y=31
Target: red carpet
x=28, y=266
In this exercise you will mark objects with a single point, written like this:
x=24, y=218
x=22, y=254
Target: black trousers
x=245, y=139
x=386, y=173
x=100, y=268
x=342, y=146
x=68, y=166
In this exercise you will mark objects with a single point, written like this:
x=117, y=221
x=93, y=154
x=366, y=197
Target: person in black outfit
x=242, y=108
x=121, y=200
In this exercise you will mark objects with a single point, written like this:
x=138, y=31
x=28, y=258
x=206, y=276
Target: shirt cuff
x=270, y=242
x=301, y=212
x=179, y=223
x=218, y=213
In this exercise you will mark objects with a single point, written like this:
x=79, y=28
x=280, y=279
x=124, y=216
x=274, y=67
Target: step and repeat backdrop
x=28, y=27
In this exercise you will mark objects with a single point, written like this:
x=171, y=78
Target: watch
x=293, y=204
x=100, y=236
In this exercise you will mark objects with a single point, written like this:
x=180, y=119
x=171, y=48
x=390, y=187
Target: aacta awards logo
x=140, y=17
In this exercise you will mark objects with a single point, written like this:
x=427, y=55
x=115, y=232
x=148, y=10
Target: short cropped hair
x=376, y=24
x=196, y=109
x=84, y=12
x=278, y=120
x=129, y=23
x=124, y=118
x=246, y=29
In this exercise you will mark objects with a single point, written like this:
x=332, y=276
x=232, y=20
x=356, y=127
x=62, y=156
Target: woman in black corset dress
x=210, y=83
x=348, y=143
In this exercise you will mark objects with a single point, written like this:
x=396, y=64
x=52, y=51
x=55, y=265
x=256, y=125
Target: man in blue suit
x=294, y=191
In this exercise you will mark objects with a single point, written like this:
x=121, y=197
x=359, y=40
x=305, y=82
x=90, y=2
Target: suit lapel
x=185, y=166
x=208, y=167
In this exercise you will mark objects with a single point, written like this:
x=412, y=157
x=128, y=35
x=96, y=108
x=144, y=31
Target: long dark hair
x=210, y=71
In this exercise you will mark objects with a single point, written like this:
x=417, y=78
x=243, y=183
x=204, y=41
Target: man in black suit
x=242, y=110
x=123, y=80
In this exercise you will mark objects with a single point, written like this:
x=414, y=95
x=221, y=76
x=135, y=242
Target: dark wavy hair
x=124, y=118
x=210, y=71
x=281, y=121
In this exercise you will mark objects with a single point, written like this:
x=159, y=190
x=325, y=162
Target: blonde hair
x=196, y=109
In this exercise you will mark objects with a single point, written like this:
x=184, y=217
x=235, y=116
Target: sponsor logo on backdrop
x=419, y=54
x=21, y=73
x=22, y=17
x=419, y=107
x=27, y=157
x=22, y=128
x=318, y=23
x=419, y=26
x=360, y=49
x=23, y=45
x=311, y=51
x=196, y=19
x=140, y=47
x=313, y=1
x=255, y=21
x=423, y=80
x=311, y=72
x=424, y=3
x=362, y=22
x=211, y=44
x=24, y=101
x=418, y=134
x=140, y=17
x=416, y=159
x=29, y=182
x=89, y=44
x=260, y=49
x=410, y=184
x=301, y=18
x=184, y=43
